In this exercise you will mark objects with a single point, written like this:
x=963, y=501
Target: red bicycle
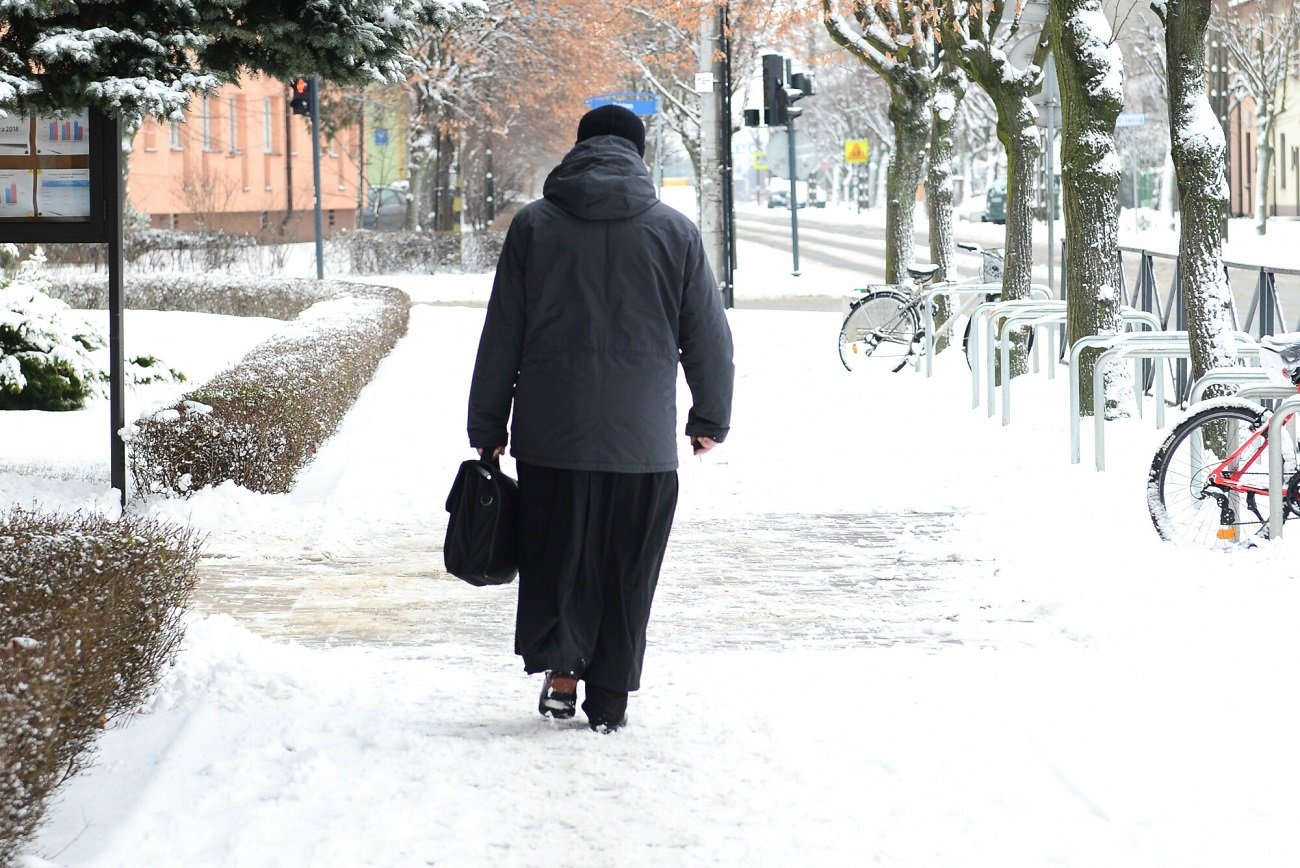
x=1208, y=483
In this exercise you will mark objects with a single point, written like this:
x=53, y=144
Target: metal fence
x=1157, y=287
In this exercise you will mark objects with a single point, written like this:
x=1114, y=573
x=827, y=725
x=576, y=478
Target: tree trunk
x=1020, y=138
x=1090, y=73
x=906, y=169
x=938, y=188
x=1263, y=165
x=417, y=172
x=1199, y=152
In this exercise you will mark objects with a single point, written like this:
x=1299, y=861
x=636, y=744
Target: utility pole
x=315, y=172
x=727, y=169
x=711, y=206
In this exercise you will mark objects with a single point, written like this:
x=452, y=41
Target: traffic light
x=773, y=81
x=303, y=91
x=801, y=85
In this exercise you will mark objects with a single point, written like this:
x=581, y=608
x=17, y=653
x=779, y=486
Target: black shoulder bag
x=482, y=545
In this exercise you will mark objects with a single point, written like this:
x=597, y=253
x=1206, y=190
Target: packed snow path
x=356, y=557
x=769, y=581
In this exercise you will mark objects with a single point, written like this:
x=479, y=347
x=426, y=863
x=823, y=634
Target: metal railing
x=1265, y=316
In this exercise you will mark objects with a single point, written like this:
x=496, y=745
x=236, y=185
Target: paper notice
x=15, y=136
x=67, y=135
x=63, y=193
x=16, y=187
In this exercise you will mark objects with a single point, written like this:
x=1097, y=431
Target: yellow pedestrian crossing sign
x=855, y=150
x=760, y=160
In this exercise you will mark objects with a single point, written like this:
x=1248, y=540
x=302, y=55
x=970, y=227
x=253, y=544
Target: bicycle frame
x=1221, y=476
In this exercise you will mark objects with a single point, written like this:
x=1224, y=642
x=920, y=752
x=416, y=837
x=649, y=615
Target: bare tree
x=1263, y=55
x=977, y=35
x=895, y=39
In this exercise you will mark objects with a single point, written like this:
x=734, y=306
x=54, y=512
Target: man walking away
x=600, y=292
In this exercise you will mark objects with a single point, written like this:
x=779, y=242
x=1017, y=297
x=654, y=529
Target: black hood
x=602, y=178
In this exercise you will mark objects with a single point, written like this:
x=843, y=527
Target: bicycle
x=885, y=324
x=1208, y=482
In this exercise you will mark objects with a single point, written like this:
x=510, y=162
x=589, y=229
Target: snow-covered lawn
x=890, y=632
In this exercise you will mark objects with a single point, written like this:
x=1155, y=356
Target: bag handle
x=489, y=456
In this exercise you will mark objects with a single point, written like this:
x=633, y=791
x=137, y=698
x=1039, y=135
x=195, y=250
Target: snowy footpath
x=889, y=632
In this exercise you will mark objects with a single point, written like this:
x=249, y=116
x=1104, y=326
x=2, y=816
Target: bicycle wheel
x=1185, y=502
x=881, y=326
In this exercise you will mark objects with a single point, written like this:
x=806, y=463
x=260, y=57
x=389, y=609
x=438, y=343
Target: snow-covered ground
x=890, y=631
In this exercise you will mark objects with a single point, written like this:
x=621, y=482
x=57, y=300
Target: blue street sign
x=643, y=104
x=381, y=136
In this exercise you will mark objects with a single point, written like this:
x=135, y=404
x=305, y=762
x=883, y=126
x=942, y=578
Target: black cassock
x=591, y=545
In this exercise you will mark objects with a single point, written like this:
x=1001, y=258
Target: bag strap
x=489, y=457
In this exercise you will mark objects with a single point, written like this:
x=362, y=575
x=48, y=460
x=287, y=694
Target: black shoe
x=559, y=696
x=605, y=727
x=606, y=709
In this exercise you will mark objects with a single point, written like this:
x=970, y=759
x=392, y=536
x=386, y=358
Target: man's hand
x=700, y=445
x=497, y=451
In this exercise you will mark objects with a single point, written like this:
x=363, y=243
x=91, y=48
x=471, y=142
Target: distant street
x=829, y=239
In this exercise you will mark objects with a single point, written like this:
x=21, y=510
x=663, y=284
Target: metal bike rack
x=1284, y=409
x=958, y=289
x=1048, y=322
x=1231, y=376
x=1129, y=316
x=981, y=332
x=1089, y=341
x=1166, y=345
x=1266, y=392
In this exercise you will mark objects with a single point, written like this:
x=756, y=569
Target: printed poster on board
x=15, y=136
x=63, y=193
x=66, y=135
x=16, y=187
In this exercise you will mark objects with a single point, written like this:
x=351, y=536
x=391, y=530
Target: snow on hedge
x=260, y=422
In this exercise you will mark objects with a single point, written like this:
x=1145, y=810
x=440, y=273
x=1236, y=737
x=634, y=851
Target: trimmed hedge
x=233, y=295
x=260, y=422
x=90, y=616
x=371, y=252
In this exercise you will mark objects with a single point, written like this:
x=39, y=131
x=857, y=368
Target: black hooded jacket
x=600, y=292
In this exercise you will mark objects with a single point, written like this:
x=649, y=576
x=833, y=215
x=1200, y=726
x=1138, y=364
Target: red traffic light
x=303, y=91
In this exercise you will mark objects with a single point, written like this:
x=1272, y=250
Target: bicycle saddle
x=922, y=273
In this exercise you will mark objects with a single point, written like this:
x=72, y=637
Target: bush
x=149, y=248
x=419, y=252
x=90, y=615
x=46, y=360
x=261, y=421
x=232, y=295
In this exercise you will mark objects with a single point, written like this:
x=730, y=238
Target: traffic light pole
x=315, y=171
x=794, y=196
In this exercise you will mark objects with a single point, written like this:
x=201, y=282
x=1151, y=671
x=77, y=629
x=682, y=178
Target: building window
x=205, y=123
x=268, y=127
x=175, y=135
x=233, y=125
x=1283, y=160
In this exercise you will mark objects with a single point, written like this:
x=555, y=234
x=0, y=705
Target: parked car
x=779, y=197
x=995, y=203
x=385, y=209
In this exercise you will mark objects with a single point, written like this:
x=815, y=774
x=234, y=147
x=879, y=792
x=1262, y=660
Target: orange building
x=242, y=162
